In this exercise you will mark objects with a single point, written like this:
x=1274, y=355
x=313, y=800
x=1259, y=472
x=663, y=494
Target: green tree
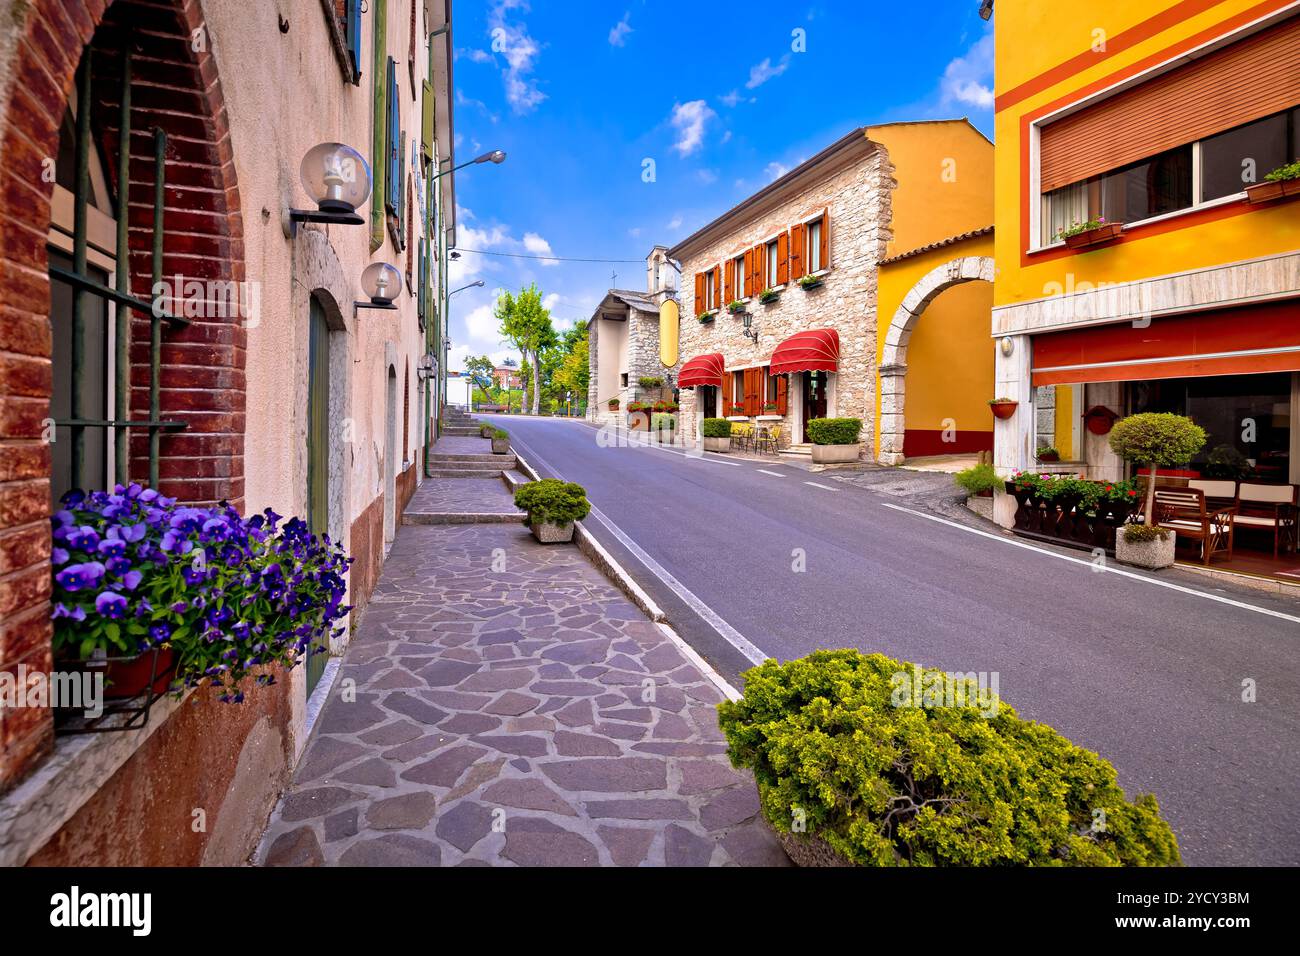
x=482, y=370
x=1156, y=439
x=525, y=323
x=573, y=372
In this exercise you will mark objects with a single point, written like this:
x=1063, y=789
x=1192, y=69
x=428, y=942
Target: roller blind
x=1248, y=80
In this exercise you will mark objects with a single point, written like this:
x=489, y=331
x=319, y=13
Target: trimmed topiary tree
x=891, y=764
x=715, y=428
x=1156, y=439
x=834, y=431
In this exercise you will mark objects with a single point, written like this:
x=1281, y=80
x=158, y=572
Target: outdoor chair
x=1182, y=510
x=1219, y=493
x=771, y=439
x=740, y=434
x=1271, y=507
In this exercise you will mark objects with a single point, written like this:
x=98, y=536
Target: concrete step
x=482, y=471
x=463, y=431
x=444, y=460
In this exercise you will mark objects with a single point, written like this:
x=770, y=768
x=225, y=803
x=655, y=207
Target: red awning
x=702, y=370
x=1241, y=341
x=817, y=350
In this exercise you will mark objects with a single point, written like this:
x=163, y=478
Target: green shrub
x=1156, y=439
x=663, y=420
x=486, y=431
x=500, y=434
x=1134, y=533
x=836, y=739
x=650, y=381
x=716, y=428
x=978, y=479
x=834, y=431
x=1225, y=462
x=1283, y=173
x=552, y=500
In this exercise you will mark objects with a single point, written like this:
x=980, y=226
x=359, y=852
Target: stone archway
x=174, y=87
x=893, y=357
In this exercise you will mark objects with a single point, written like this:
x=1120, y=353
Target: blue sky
x=582, y=94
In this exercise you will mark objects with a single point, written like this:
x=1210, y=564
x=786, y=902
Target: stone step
x=462, y=431
x=451, y=459
x=480, y=472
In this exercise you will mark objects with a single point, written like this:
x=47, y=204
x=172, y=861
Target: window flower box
x=704, y=318
x=1272, y=190
x=736, y=307
x=737, y=409
x=768, y=296
x=810, y=282
x=1091, y=233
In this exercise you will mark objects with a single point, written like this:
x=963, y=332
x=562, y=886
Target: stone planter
x=501, y=446
x=981, y=505
x=810, y=850
x=1153, y=555
x=1103, y=233
x=717, y=444
x=549, y=532
x=835, y=454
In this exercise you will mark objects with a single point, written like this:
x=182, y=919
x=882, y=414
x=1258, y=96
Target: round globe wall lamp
x=337, y=179
x=381, y=282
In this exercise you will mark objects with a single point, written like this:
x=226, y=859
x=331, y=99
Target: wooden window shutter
x=756, y=269
x=353, y=33
x=825, y=251
x=728, y=281
x=753, y=391
x=782, y=258
x=726, y=393
x=782, y=393
x=796, y=251
x=700, y=307
x=393, y=196
x=427, y=121
x=717, y=285
x=1245, y=81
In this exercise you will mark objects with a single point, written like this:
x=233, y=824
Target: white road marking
x=688, y=597
x=703, y=457
x=823, y=487
x=774, y=474
x=1087, y=562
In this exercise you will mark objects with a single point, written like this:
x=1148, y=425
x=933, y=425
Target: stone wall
x=857, y=197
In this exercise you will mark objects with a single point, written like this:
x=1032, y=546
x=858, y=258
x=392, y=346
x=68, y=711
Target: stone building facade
x=845, y=189
x=292, y=400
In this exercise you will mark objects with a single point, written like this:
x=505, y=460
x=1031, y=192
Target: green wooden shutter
x=428, y=121
x=379, y=119
x=394, y=130
x=354, y=38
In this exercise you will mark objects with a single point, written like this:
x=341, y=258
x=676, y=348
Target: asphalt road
x=1149, y=676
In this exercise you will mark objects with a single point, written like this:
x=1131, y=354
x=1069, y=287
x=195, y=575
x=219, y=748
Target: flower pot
x=705, y=319
x=1099, y=419
x=1003, y=409
x=809, y=286
x=1049, y=457
x=501, y=446
x=835, y=454
x=1153, y=555
x=126, y=678
x=717, y=444
x=769, y=299
x=551, y=532
x=1268, y=192
x=1103, y=233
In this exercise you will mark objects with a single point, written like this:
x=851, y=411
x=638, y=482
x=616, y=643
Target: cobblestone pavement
x=512, y=707
x=462, y=445
x=462, y=496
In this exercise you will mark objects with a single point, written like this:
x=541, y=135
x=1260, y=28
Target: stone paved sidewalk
x=512, y=707
x=461, y=499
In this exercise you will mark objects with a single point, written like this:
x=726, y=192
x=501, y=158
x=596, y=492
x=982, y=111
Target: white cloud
x=634, y=231
x=732, y=98
x=968, y=79
x=538, y=246
x=475, y=55
x=463, y=100
x=689, y=119
x=760, y=73
x=521, y=51
x=726, y=137
x=618, y=33
x=482, y=326
x=775, y=171
x=707, y=176
x=675, y=223
x=550, y=300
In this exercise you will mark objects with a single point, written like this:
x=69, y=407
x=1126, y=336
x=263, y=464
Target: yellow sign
x=668, y=322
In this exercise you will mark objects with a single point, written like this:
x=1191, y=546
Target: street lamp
x=476, y=283
x=496, y=156
x=381, y=282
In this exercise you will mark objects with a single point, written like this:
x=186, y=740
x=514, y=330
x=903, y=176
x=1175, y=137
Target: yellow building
x=1142, y=262
x=935, y=374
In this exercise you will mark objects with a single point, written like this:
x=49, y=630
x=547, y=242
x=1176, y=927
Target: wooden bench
x=1183, y=511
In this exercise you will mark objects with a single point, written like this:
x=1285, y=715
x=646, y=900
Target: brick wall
x=175, y=87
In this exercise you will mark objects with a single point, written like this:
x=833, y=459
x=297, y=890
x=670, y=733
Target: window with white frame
x=737, y=267
x=710, y=291
x=769, y=252
x=813, y=246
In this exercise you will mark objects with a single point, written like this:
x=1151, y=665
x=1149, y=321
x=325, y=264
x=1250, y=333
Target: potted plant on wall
x=500, y=441
x=768, y=296
x=650, y=381
x=705, y=317
x=1283, y=181
x=835, y=440
x=1003, y=407
x=717, y=434
x=1047, y=455
x=735, y=307
x=737, y=408
x=770, y=408
x=1153, y=439
x=1090, y=233
x=811, y=281
x=551, y=507
x=150, y=592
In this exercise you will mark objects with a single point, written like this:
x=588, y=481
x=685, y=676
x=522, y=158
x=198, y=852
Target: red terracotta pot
x=1267, y=192
x=1003, y=409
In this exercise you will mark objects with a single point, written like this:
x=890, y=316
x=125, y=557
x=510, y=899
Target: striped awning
x=817, y=350
x=702, y=370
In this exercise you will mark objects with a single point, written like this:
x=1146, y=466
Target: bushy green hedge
x=663, y=421
x=977, y=479
x=887, y=782
x=552, y=500
x=716, y=428
x=834, y=431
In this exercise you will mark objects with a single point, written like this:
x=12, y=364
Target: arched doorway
x=893, y=356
